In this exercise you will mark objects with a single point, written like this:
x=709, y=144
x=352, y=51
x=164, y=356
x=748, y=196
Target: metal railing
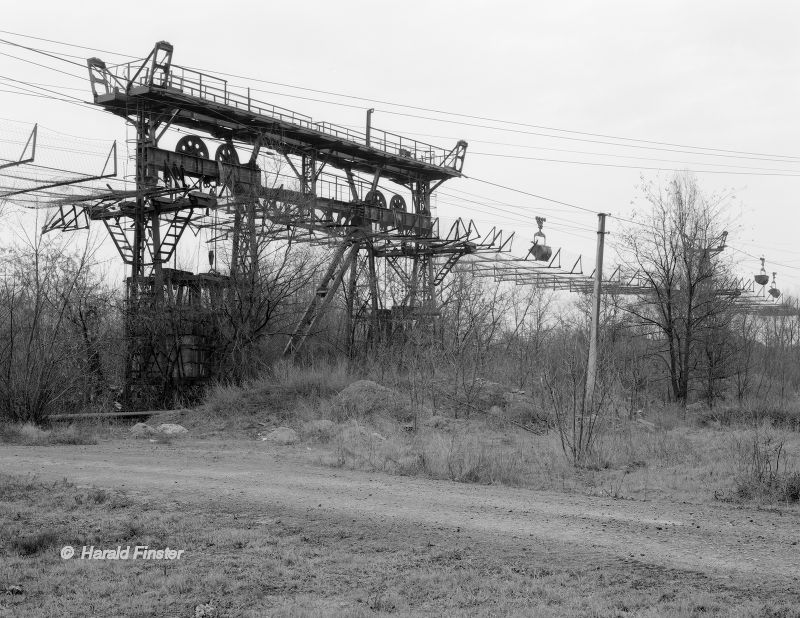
x=217, y=90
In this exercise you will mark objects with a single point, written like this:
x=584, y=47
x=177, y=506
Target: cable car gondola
x=762, y=278
x=774, y=291
x=540, y=250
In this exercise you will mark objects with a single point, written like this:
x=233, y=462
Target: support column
x=134, y=287
x=374, y=333
x=594, y=332
x=351, y=293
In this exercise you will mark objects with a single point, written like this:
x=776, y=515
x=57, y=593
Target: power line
x=44, y=53
x=24, y=83
x=519, y=210
x=38, y=38
x=450, y=113
x=38, y=95
x=618, y=156
x=593, y=153
x=540, y=197
x=771, y=261
x=714, y=150
x=44, y=66
x=639, y=167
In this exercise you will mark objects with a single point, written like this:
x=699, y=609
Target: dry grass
x=251, y=560
x=670, y=454
x=287, y=395
x=629, y=459
x=32, y=435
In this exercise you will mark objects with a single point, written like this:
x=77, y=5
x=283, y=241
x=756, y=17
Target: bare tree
x=51, y=309
x=675, y=246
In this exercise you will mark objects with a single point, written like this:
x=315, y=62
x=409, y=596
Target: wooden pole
x=594, y=332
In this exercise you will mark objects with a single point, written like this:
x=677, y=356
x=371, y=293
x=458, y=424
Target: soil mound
x=365, y=398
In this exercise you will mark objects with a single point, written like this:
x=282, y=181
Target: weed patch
x=764, y=472
x=31, y=435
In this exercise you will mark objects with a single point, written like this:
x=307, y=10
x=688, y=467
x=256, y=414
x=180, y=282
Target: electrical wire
x=639, y=167
x=38, y=38
x=727, y=152
x=528, y=193
x=53, y=92
x=718, y=151
x=44, y=66
x=44, y=53
x=38, y=95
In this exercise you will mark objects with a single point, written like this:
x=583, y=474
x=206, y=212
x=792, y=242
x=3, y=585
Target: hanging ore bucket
x=774, y=291
x=540, y=250
x=762, y=278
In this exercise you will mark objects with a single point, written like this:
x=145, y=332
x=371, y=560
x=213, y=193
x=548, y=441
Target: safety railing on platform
x=217, y=90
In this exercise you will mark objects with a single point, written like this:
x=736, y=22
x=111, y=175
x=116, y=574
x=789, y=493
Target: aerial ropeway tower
x=366, y=193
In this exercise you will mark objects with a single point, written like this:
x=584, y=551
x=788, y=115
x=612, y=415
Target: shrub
x=29, y=545
x=763, y=469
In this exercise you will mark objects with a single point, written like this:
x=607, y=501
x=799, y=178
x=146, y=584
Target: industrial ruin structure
x=334, y=193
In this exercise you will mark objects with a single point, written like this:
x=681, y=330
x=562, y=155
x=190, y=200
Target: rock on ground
x=282, y=435
x=320, y=428
x=171, y=429
x=365, y=398
x=141, y=429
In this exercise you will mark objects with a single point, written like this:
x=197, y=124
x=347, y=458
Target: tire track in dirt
x=719, y=540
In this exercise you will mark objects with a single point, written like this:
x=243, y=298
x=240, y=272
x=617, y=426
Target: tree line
x=685, y=339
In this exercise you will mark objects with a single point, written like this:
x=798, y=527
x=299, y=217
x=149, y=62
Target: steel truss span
x=367, y=194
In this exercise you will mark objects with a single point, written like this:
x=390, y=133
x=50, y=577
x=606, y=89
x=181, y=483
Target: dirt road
x=718, y=540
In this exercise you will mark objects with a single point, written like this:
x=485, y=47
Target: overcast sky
x=720, y=75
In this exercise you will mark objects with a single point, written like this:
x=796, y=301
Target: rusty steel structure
x=334, y=194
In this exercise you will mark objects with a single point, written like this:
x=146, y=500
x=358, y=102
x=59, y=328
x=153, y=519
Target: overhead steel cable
x=536, y=195
x=649, y=142
x=717, y=151
x=525, y=213
x=44, y=66
x=40, y=95
x=45, y=53
x=622, y=156
x=42, y=88
x=641, y=167
x=38, y=38
x=772, y=262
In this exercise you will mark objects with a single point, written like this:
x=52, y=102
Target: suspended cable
x=44, y=53
x=540, y=197
x=639, y=167
x=437, y=111
x=44, y=66
x=38, y=38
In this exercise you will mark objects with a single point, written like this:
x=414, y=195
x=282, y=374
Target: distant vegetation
x=510, y=356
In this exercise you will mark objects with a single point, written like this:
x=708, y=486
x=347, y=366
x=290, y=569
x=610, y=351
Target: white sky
x=716, y=74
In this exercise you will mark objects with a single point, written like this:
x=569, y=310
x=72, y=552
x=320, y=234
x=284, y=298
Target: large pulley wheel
x=226, y=153
x=192, y=145
x=375, y=198
x=397, y=202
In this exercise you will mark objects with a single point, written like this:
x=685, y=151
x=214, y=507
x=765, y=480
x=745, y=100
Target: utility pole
x=594, y=331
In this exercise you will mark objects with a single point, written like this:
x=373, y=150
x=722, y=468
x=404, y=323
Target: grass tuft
x=32, y=544
x=29, y=434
